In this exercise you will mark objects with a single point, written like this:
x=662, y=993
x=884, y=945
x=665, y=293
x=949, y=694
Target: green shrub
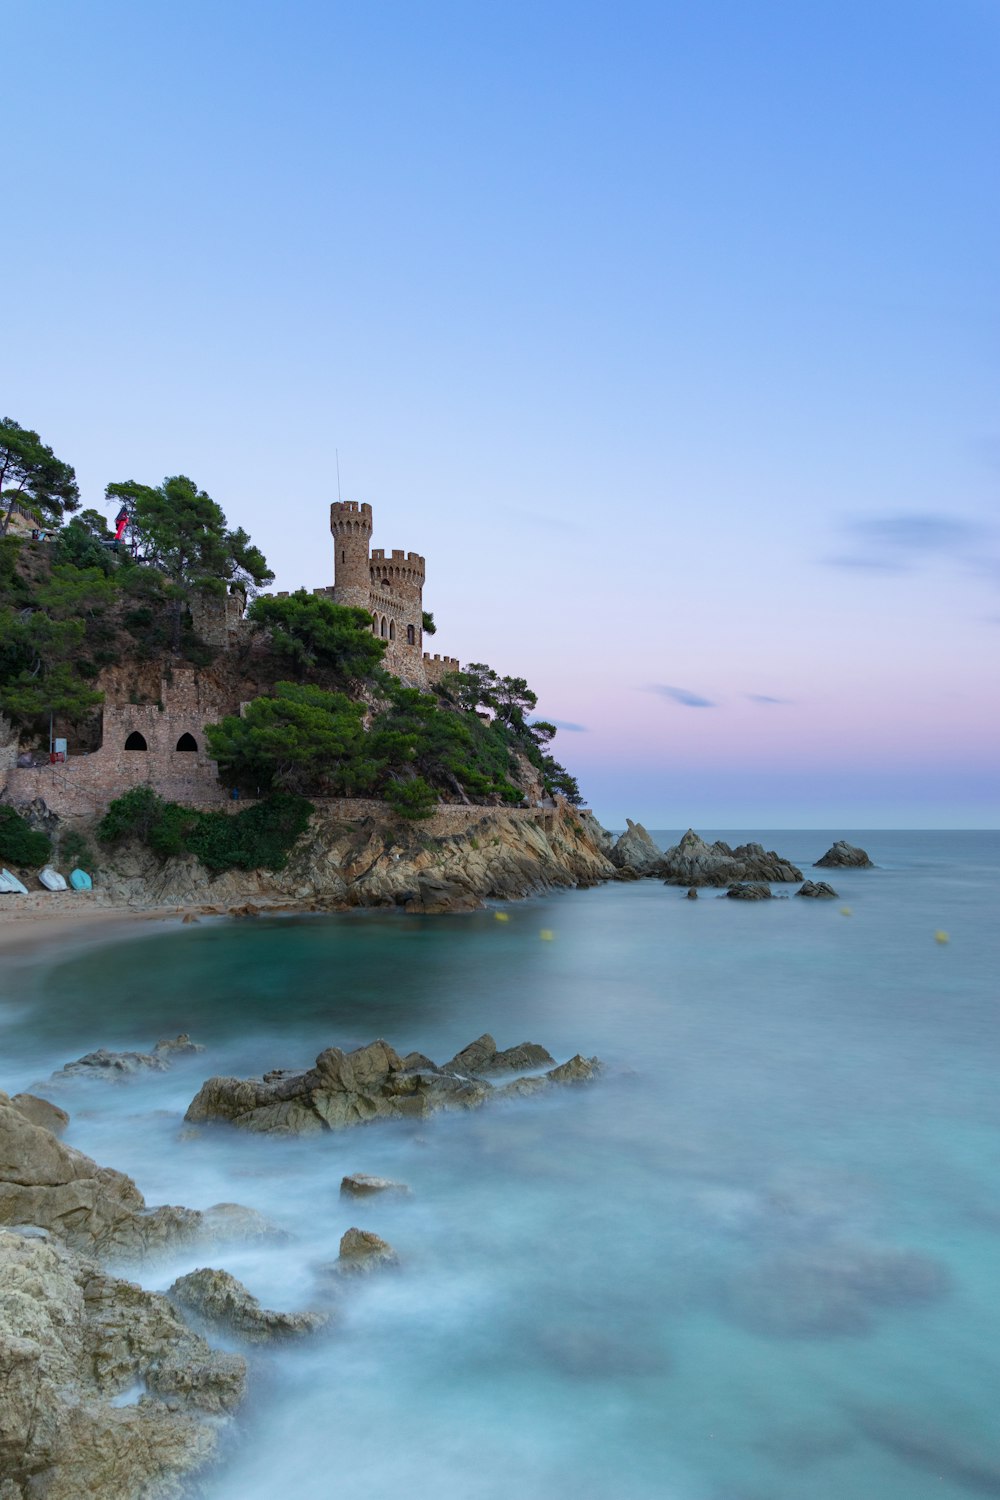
x=19, y=844
x=74, y=850
x=412, y=799
x=259, y=837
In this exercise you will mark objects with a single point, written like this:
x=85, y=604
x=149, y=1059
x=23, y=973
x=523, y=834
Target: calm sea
x=758, y=1261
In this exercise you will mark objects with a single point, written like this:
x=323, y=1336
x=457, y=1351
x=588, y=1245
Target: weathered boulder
x=481, y=1056
x=752, y=891
x=41, y=1112
x=844, y=856
x=362, y=1252
x=91, y=1208
x=372, y=1083
x=692, y=894
x=818, y=890
x=219, y=1298
x=636, y=851
x=72, y=1340
x=361, y=1185
x=692, y=862
x=577, y=1070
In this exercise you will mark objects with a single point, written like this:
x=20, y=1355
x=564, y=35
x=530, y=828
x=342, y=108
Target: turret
x=351, y=525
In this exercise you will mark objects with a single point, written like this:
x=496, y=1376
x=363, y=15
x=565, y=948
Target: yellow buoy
x=546, y=934
x=941, y=937
x=501, y=916
x=845, y=911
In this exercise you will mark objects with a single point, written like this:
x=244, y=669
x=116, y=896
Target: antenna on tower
x=337, y=452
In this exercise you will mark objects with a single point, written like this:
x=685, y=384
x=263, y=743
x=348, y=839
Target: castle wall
x=84, y=784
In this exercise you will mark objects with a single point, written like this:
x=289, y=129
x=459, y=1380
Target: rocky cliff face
x=380, y=860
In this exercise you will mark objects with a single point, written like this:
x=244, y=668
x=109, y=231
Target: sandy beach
x=34, y=921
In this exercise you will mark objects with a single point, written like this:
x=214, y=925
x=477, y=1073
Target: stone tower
x=351, y=525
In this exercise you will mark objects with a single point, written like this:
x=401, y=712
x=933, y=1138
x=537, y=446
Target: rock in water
x=41, y=1112
x=362, y=1252
x=819, y=890
x=482, y=1056
x=749, y=892
x=692, y=894
x=636, y=851
x=361, y=1185
x=177, y=1046
x=93, y=1209
x=219, y=1298
x=692, y=862
x=372, y=1083
x=844, y=856
x=72, y=1339
x=114, y=1066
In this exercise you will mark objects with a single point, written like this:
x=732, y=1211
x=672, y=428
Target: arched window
x=136, y=741
x=187, y=742
x=392, y=630
x=385, y=628
x=386, y=584
x=411, y=636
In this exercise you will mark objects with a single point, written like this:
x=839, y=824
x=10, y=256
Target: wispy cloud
x=681, y=695
x=767, y=699
x=901, y=543
x=567, y=725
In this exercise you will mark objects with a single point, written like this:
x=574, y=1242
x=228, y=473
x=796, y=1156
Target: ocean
x=757, y=1260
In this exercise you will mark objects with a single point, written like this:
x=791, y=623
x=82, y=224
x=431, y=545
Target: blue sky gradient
x=667, y=332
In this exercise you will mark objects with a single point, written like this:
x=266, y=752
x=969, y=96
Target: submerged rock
x=595, y=1353
x=830, y=1289
x=177, y=1046
x=692, y=862
x=219, y=1298
x=72, y=1339
x=958, y=1456
x=361, y=1185
x=94, y=1209
x=818, y=890
x=114, y=1066
x=372, y=1083
x=362, y=1252
x=749, y=892
x=636, y=851
x=692, y=894
x=844, y=856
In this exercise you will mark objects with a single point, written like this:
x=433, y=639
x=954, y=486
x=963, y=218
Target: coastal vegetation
x=258, y=837
x=19, y=843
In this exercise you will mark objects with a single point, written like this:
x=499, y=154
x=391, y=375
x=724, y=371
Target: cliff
x=363, y=855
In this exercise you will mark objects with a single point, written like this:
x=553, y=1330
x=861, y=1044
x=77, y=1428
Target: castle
x=162, y=743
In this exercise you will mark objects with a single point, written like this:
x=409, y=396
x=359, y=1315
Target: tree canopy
x=312, y=633
x=32, y=476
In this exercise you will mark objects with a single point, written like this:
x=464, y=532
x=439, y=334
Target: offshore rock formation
x=362, y=1185
x=116, y=1066
x=95, y=1209
x=362, y=1252
x=692, y=862
x=636, y=851
x=844, y=856
x=219, y=1298
x=749, y=892
x=72, y=1340
x=371, y=1083
x=818, y=890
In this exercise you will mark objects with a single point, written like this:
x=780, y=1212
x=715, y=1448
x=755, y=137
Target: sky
x=667, y=332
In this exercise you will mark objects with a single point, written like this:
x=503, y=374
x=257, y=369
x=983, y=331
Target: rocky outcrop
x=818, y=890
x=372, y=1083
x=361, y=1185
x=91, y=1208
x=217, y=1297
x=481, y=1057
x=117, y=1066
x=453, y=862
x=844, y=856
x=74, y=1342
x=749, y=892
x=41, y=1112
x=362, y=1252
x=692, y=862
x=636, y=851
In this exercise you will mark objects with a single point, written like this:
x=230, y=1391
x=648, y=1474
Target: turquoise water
x=756, y=1262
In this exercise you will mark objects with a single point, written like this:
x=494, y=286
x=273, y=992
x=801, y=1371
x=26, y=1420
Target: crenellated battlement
x=398, y=567
x=349, y=515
